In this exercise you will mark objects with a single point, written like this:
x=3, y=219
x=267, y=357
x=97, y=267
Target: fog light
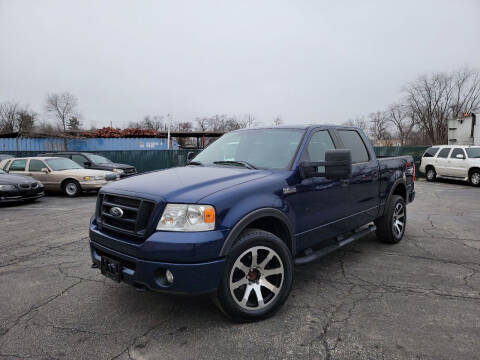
x=169, y=276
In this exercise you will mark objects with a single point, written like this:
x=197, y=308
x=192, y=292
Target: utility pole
x=169, y=126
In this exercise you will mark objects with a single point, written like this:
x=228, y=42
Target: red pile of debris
x=108, y=132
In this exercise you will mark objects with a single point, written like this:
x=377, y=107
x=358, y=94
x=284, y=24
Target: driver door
x=319, y=203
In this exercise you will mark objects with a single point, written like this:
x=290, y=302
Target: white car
x=452, y=162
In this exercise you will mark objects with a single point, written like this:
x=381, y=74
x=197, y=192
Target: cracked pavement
x=419, y=299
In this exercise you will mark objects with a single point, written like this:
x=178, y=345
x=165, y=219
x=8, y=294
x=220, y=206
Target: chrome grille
x=135, y=214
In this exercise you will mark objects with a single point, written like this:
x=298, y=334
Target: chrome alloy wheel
x=398, y=220
x=430, y=174
x=71, y=189
x=256, y=278
x=475, y=179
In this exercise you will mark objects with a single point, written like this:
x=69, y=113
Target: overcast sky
x=306, y=61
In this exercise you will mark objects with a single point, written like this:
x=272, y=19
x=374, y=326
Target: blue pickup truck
x=245, y=210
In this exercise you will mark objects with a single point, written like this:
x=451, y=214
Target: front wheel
x=391, y=226
x=258, y=277
x=474, y=177
x=71, y=188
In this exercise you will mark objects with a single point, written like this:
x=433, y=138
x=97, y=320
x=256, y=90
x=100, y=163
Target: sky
x=305, y=61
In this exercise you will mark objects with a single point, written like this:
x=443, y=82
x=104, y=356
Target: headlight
x=92, y=178
x=118, y=171
x=7, y=187
x=184, y=217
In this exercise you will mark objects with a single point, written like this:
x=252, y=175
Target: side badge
x=289, y=190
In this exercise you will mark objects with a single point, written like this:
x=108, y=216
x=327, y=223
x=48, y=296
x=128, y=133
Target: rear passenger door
x=441, y=162
x=363, y=186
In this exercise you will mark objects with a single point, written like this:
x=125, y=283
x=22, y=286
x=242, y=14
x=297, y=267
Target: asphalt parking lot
x=419, y=299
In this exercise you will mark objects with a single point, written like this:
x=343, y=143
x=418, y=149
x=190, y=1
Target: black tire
x=71, y=188
x=230, y=297
x=387, y=231
x=430, y=174
x=474, y=177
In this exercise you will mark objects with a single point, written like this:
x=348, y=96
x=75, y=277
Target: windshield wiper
x=195, y=163
x=237, y=162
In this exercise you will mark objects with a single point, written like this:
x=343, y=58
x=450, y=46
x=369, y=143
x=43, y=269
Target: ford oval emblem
x=116, y=211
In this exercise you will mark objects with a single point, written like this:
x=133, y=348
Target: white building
x=464, y=131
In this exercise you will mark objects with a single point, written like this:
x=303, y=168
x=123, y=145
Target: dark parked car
x=96, y=162
x=17, y=188
x=245, y=210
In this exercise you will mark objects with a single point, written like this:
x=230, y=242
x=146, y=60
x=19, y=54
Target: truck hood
x=186, y=184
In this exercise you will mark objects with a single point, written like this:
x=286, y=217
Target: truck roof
x=300, y=127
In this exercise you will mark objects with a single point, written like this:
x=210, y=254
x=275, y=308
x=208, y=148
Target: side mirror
x=337, y=165
x=460, y=156
x=190, y=155
x=87, y=163
x=45, y=170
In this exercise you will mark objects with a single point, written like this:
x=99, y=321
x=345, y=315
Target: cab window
x=319, y=143
x=457, y=151
x=352, y=140
x=36, y=165
x=444, y=153
x=18, y=165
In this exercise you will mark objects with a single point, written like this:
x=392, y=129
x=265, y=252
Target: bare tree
x=8, y=117
x=435, y=98
x=62, y=107
x=277, y=121
x=378, y=129
x=202, y=123
x=15, y=118
x=402, y=119
x=358, y=122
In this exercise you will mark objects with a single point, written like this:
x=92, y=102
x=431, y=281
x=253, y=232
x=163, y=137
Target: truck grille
x=131, y=215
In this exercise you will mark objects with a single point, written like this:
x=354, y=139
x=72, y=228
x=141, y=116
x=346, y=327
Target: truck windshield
x=97, y=159
x=62, y=164
x=473, y=152
x=260, y=148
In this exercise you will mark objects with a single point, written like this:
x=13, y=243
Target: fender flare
x=251, y=217
x=392, y=190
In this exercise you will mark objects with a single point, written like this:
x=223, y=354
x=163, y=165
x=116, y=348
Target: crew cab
x=452, y=162
x=95, y=162
x=236, y=219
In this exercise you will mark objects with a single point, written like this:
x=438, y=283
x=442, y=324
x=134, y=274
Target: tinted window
x=456, y=152
x=36, y=165
x=352, y=140
x=444, y=153
x=319, y=143
x=18, y=165
x=431, y=152
x=79, y=159
x=473, y=152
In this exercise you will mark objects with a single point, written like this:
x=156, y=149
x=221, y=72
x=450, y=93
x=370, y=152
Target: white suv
x=452, y=162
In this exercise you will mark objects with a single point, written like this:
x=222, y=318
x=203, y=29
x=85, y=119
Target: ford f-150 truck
x=236, y=219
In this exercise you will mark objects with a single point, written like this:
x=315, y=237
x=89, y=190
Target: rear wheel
x=474, y=177
x=391, y=226
x=257, y=278
x=431, y=173
x=71, y=188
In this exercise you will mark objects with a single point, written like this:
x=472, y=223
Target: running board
x=340, y=243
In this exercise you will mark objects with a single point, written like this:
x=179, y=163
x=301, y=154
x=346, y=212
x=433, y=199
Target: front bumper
x=94, y=185
x=12, y=196
x=194, y=278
